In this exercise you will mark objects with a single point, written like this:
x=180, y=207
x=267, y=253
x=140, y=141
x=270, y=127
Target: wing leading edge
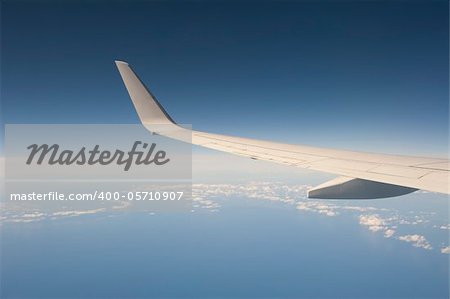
x=363, y=175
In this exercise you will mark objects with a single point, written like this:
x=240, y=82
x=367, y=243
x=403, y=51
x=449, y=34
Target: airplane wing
x=361, y=175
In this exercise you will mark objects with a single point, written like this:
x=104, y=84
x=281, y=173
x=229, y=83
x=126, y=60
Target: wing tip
x=121, y=62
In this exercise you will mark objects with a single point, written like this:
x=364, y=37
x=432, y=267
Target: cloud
x=361, y=209
x=445, y=250
x=78, y=213
x=22, y=220
x=122, y=205
x=373, y=222
x=375, y=219
x=318, y=207
x=417, y=241
x=328, y=212
x=389, y=233
x=209, y=197
x=33, y=215
x=280, y=192
x=202, y=203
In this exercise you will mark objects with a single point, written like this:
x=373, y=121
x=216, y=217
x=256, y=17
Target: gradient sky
x=363, y=75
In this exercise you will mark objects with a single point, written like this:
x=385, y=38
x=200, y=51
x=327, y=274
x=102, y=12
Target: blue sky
x=364, y=75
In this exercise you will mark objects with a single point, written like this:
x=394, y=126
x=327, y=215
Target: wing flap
x=401, y=171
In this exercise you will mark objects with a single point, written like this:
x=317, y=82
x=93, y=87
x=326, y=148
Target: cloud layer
x=375, y=219
x=210, y=197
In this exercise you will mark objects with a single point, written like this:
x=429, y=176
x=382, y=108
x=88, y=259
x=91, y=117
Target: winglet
x=147, y=106
x=121, y=62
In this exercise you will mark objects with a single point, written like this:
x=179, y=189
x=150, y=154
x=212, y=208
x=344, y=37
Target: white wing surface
x=362, y=175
